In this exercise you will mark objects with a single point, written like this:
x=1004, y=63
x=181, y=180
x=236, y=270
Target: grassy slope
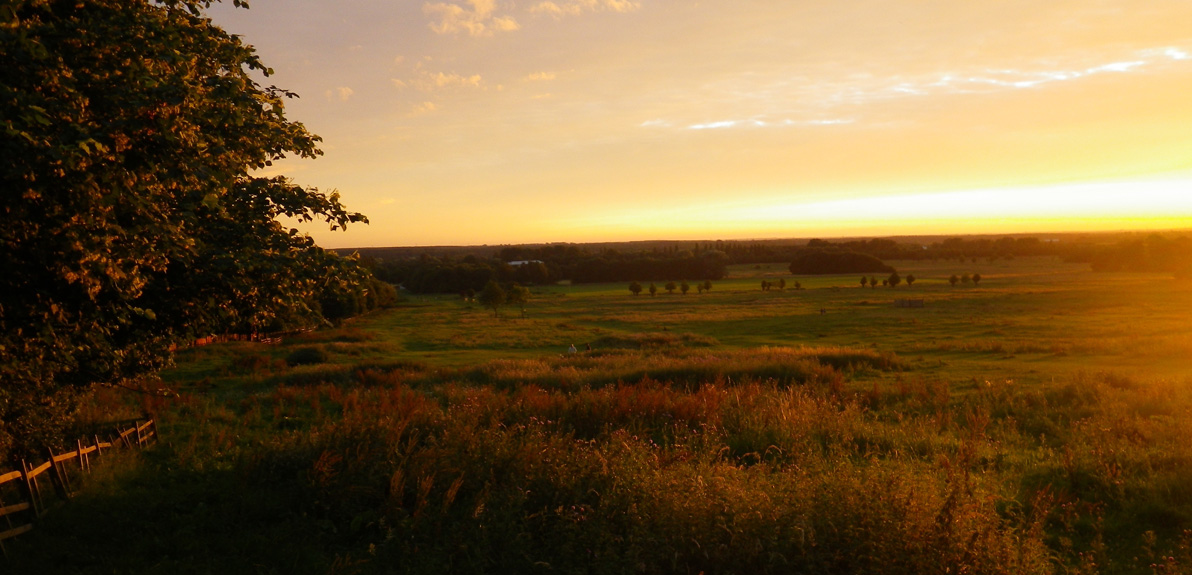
x=285, y=482
x=1029, y=320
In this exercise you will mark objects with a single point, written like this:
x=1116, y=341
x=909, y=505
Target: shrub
x=307, y=355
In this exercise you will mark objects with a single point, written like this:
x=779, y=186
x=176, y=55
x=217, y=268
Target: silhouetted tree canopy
x=131, y=220
x=833, y=261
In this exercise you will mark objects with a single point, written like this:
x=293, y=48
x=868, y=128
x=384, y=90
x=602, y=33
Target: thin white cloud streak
x=576, y=7
x=815, y=98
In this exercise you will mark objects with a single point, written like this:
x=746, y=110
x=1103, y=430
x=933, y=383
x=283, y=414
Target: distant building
x=524, y=262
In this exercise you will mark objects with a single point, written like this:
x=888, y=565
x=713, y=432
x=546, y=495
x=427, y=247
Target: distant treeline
x=460, y=269
x=888, y=249
x=544, y=265
x=1153, y=253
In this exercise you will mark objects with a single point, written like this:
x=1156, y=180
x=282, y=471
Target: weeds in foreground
x=759, y=461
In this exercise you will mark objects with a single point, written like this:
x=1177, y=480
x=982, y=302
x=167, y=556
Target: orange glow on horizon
x=735, y=119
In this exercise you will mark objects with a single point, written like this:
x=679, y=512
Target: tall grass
x=767, y=460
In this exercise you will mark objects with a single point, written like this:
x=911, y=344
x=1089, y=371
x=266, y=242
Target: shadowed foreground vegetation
x=775, y=469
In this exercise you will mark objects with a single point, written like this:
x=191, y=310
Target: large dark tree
x=129, y=131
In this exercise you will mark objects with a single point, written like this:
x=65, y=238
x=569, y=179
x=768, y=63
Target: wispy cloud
x=441, y=80
x=714, y=125
x=427, y=81
x=576, y=7
x=342, y=93
x=423, y=108
x=756, y=123
x=474, y=17
x=797, y=100
x=539, y=76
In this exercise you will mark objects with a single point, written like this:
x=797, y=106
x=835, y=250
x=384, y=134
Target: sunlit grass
x=1036, y=423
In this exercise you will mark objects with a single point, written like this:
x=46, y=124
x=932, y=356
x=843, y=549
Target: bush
x=308, y=355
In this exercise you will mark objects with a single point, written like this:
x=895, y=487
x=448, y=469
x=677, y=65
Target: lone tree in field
x=952, y=280
x=781, y=284
x=519, y=295
x=492, y=297
x=133, y=222
x=683, y=287
x=635, y=288
x=864, y=281
x=671, y=287
x=653, y=289
x=976, y=279
x=872, y=282
x=910, y=279
x=894, y=279
x=707, y=285
x=765, y=285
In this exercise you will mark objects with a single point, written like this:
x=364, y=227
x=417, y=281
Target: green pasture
x=1029, y=320
x=1035, y=423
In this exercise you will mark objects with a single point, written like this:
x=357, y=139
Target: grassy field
x=1034, y=423
x=1028, y=320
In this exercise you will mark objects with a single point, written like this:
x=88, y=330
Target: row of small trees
x=891, y=281
x=670, y=287
x=894, y=280
x=965, y=279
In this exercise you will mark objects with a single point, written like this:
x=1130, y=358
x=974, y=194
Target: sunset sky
x=486, y=121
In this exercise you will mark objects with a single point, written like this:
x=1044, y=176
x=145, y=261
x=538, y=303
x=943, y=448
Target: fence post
x=137, y=425
x=84, y=459
x=60, y=479
x=31, y=489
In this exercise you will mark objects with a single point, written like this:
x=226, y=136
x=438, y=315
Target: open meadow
x=1036, y=422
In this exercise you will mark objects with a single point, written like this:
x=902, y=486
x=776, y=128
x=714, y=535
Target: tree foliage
x=129, y=130
x=833, y=261
x=492, y=296
x=519, y=296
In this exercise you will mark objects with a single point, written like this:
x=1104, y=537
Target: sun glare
x=1075, y=207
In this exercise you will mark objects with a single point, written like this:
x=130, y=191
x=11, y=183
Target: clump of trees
x=833, y=261
x=132, y=220
x=454, y=274
x=1153, y=253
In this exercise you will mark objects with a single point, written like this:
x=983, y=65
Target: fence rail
x=18, y=517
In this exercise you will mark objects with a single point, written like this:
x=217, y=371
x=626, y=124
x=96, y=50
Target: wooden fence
x=30, y=502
